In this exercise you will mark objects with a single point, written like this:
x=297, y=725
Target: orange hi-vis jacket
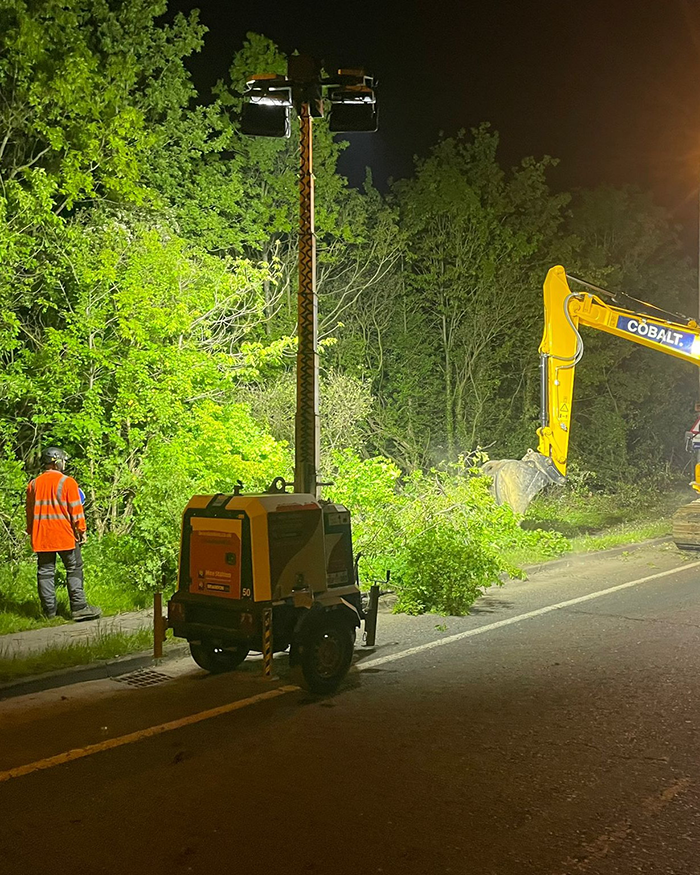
x=54, y=512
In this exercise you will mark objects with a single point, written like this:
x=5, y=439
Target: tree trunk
x=449, y=400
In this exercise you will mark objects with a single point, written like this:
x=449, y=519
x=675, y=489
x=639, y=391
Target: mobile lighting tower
x=276, y=570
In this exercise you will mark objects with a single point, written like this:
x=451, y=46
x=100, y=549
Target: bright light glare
x=353, y=97
x=270, y=100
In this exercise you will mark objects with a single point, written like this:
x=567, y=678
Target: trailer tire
x=213, y=657
x=324, y=653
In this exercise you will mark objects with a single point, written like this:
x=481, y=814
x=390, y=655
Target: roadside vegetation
x=104, y=646
x=591, y=521
x=147, y=321
x=439, y=533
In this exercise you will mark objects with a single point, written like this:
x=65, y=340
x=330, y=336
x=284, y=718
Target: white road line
x=520, y=618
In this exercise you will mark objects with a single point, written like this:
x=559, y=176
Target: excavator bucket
x=516, y=482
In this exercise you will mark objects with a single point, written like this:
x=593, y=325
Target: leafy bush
x=212, y=450
x=441, y=533
x=12, y=518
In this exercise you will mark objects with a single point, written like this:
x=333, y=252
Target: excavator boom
x=561, y=349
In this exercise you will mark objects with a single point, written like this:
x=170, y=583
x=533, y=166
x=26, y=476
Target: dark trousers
x=46, y=579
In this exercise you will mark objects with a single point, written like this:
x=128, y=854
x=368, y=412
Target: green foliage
x=104, y=645
x=440, y=533
x=120, y=339
x=108, y=583
x=214, y=449
x=19, y=604
x=345, y=404
x=151, y=327
x=147, y=311
x=86, y=82
x=632, y=405
x=454, y=367
x=598, y=520
x=12, y=521
x=581, y=509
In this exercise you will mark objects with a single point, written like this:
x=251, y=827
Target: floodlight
x=266, y=108
x=265, y=120
x=353, y=108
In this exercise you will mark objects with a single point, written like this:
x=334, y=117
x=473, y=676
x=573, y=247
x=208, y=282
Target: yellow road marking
x=110, y=743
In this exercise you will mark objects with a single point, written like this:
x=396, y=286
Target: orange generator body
x=274, y=565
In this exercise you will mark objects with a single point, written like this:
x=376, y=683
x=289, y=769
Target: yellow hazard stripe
x=267, y=642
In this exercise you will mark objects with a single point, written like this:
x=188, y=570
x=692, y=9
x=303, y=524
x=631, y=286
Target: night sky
x=610, y=87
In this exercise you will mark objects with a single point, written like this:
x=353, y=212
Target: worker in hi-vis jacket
x=56, y=524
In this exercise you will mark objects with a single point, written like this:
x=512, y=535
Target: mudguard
x=327, y=603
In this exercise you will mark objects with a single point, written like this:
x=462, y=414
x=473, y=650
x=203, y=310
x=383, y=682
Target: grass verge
x=615, y=536
x=622, y=534
x=592, y=522
x=19, y=604
x=105, y=645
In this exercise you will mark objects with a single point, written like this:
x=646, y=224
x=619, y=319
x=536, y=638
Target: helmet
x=54, y=456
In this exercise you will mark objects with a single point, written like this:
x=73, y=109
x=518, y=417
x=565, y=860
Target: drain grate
x=143, y=677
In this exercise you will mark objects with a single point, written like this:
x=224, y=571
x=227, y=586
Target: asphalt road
x=555, y=731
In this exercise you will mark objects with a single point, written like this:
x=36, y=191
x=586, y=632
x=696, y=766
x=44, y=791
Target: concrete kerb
x=78, y=674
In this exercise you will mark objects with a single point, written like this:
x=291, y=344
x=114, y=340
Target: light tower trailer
x=265, y=573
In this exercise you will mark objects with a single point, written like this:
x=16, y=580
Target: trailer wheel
x=325, y=653
x=213, y=657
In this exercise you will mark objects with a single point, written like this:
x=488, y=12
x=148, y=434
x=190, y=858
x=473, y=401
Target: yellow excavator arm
x=562, y=348
x=517, y=482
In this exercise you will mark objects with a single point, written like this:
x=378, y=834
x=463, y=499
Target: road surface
x=555, y=731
